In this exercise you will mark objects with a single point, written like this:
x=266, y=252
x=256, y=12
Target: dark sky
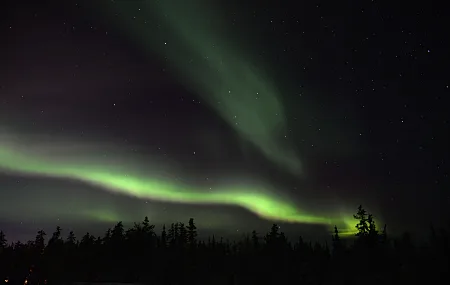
x=356, y=92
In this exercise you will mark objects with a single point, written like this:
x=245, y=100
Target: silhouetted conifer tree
x=176, y=232
x=336, y=237
x=273, y=234
x=255, y=239
x=56, y=237
x=337, y=243
x=163, y=237
x=71, y=239
x=39, y=241
x=117, y=234
x=192, y=232
x=213, y=242
x=3, y=241
x=183, y=235
x=172, y=234
x=54, y=260
x=362, y=226
x=133, y=255
x=87, y=240
x=372, y=226
x=147, y=227
x=107, y=236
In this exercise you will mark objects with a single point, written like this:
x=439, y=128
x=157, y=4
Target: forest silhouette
x=176, y=256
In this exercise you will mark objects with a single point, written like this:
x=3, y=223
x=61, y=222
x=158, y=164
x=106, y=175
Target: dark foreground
x=139, y=255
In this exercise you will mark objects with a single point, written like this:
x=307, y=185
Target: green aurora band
x=189, y=36
x=14, y=159
x=191, y=39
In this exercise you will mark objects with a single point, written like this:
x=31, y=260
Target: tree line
x=176, y=256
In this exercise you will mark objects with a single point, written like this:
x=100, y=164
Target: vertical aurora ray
x=189, y=36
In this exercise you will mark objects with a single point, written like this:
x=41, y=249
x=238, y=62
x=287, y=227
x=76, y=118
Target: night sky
x=237, y=113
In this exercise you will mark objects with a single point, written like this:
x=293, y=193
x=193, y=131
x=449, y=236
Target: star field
x=303, y=110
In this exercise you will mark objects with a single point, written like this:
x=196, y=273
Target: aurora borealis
x=264, y=205
x=234, y=115
x=58, y=162
x=218, y=70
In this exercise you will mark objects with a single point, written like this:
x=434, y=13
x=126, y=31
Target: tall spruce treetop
x=147, y=227
x=164, y=237
x=171, y=235
x=372, y=226
x=183, y=236
x=255, y=239
x=192, y=232
x=336, y=237
x=87, y=240
x=337, y=244
x=40, y=239
x=274, y=231
x=273, y=237
x=71, y=238
x=118, y=232
x=56, y=236
x=108, y=234
x=362, y=226
x=3, y=240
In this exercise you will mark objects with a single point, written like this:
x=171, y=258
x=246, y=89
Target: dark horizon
x=176, y=255
x=309, y=233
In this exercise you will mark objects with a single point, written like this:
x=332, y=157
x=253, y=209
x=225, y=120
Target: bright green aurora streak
x=265, y=205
